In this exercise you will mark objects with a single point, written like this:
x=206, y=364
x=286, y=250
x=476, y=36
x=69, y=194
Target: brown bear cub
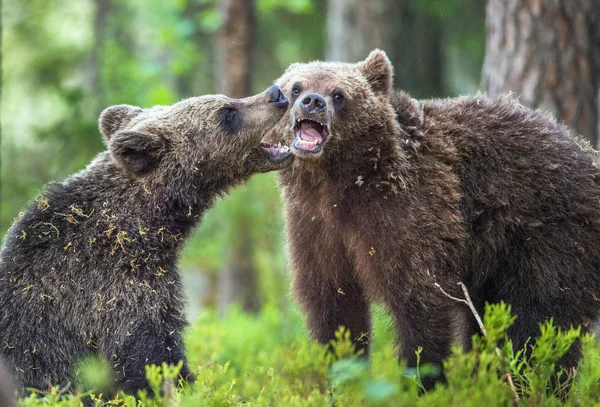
x=90, y=267
x=390, y=195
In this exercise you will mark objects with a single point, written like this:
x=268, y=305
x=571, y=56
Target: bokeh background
x=63, y=61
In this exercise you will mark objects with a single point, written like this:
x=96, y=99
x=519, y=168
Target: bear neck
x=101, y=205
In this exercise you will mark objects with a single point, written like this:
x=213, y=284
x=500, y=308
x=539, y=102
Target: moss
x=79, y=211
x=42, y=203
x=123, y=239
x=161, y=272
x=110, y=229
x=68, y=217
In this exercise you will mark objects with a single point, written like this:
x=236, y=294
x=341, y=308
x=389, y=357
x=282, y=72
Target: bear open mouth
x=276, y=152
x=310, y=135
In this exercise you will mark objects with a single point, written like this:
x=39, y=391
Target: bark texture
x=548, y=53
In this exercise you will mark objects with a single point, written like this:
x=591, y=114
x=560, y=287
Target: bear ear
x=137, y=151
x=378, y=71
x=113, y=119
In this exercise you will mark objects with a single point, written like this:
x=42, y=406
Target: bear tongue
x=308, y=133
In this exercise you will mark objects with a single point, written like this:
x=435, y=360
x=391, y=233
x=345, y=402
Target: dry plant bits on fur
x=391, y=197
x=89, y=268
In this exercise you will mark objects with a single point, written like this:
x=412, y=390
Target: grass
x=268, y=360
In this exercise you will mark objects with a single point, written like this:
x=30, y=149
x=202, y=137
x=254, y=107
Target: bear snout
x=313, y=103
x=277, y=97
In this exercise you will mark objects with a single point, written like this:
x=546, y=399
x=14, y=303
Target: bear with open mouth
x=398, y=200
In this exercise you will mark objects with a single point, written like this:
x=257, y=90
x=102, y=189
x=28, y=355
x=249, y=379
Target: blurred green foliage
x=65, y=60
x=267, y=360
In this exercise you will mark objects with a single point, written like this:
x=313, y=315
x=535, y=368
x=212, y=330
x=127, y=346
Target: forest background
x=63, y=61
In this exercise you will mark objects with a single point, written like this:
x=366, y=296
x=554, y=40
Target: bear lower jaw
x=276, y=153
x=302, y=149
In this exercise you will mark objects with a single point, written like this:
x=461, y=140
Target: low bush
x=268, y=360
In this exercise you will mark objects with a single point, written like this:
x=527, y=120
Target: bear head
x=335, y=107
x=211, y=136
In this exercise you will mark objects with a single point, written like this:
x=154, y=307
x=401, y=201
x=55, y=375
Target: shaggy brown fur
x=390, y=195
x=90, y=266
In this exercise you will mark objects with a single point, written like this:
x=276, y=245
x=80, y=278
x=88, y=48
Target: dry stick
x=467, y=300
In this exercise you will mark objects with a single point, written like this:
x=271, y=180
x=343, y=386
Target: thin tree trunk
x=548, y=53
x=355, y=27
x=91, y=82
x=235, y=47
x=238, y=280
x=411, y=38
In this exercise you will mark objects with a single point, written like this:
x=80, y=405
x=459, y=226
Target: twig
x=473, y=310
x=512, y=386
x=467, y=300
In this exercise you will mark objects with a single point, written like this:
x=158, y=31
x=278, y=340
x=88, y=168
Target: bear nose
x=313, y=103
x=276, y=96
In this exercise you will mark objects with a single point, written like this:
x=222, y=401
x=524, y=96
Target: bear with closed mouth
x=393, y=199
x=89, y=268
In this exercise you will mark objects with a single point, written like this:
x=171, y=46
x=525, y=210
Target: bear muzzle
x=276, y=97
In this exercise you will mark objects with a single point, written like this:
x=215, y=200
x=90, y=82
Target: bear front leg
x=332, y=306
x=147, y=346
x=425, y=323
x=324, y=282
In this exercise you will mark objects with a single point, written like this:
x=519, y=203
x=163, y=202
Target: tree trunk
x=355, y=27
x=411, y=38
x=91, y=81
x=235, y=47
x=193, y=81
x=238, y=280
x=548, y=53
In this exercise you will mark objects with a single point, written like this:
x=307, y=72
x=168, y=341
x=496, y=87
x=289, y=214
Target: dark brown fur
x=408, y=193
x=90, y=267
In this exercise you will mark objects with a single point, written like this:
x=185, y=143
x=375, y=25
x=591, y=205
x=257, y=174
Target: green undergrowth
x=268, y=360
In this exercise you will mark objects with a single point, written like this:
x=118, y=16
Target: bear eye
x=296, y=90
x=338, y=97
x=231, y=119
